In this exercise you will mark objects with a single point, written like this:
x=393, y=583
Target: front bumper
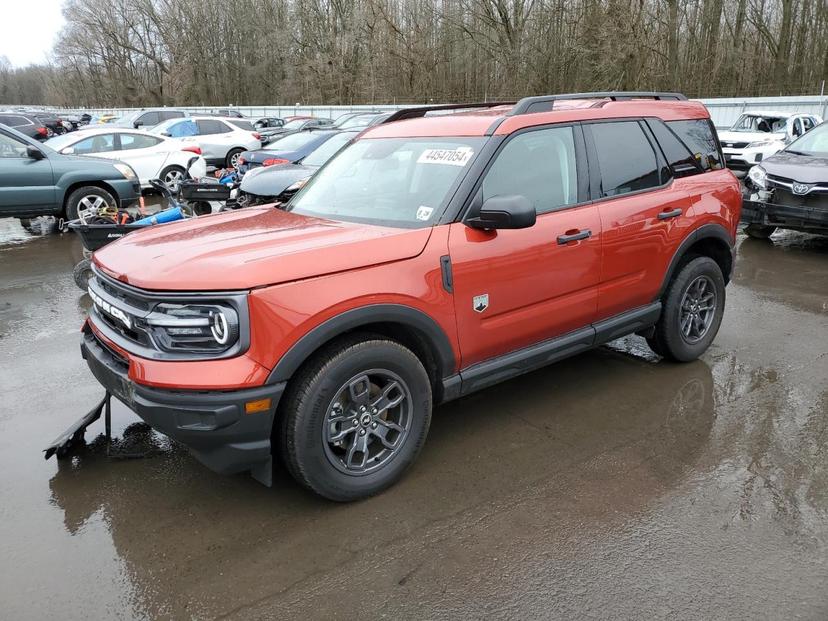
x=784, y=216
x=212, y=424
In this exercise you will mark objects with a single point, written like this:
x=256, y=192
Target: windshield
x=361, y=120
x=293, y=141
x=325, y=152
x=295, y=124
x=759, y=123
x=815, y=142
x=176, y=128
x=404, y=182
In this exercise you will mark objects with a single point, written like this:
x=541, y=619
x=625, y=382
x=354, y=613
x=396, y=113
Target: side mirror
x=137, y=124
x=505, y=212
x=167, y=134
x=68, y=151
x=34, y=153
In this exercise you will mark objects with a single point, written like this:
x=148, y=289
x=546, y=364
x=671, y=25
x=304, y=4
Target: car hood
x=729, y=136
x=802, y=168
x=273, y=180
x=251, y=248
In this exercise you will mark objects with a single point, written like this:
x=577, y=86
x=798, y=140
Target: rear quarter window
x=699, y=137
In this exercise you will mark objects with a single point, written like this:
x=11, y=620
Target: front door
x=513, y=288
x=26, y=184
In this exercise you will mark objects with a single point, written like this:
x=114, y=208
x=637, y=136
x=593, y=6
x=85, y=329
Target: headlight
x=298, y=185
x=193, y=328
x=758, y=176
x=760, y=143
x=126, y=171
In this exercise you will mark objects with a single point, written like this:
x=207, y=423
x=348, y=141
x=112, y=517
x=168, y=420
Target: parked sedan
x=268, y=122
x=296, y=124
x=279, y=182
x=291, y=148
x=221, y=141
x=790, y=188
x=149, y=118
x=151, y=157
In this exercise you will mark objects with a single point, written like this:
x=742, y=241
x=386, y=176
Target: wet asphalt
x=608, y=486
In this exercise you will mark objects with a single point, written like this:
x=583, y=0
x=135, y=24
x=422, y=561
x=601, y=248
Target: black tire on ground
x=232, y=156
x=685, y=308
x=326, y=400
x=176, y=174
x=759, y=231
x=82, y=272
x=86, y=196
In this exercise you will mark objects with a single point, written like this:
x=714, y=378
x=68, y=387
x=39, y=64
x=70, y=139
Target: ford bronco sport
x=432, y=257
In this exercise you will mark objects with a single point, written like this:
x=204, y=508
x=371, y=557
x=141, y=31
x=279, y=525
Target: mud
x=608, y=486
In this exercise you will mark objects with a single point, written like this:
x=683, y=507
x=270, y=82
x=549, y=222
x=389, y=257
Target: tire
x=323, y=427
x=232, y=156
x=684, y=309
x=759, y=231
x=82, y=272
x=172, y=176
x=85, y=197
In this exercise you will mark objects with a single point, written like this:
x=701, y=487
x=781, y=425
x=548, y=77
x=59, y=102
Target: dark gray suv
x=35, y=180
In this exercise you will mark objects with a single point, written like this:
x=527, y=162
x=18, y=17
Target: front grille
x=735, y=145
x=813, y=200
x=113, y=288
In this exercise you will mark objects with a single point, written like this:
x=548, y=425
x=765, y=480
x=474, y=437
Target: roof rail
x=421, y=111
x=544, y=103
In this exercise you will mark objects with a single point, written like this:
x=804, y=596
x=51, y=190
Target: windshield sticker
x=424, y=213
x=453, y=157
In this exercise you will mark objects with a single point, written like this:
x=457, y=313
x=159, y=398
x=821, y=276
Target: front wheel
x=692, y=311
x=87, y=202
x=355, y=418
x=759, y=231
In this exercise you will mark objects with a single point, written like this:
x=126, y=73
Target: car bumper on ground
x=214, y=425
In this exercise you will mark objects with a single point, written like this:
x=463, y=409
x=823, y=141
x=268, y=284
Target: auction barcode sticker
x=453, y=157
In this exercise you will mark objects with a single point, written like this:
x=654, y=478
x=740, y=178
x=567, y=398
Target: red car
x=432, y=257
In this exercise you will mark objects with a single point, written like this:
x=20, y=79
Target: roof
x=497, y=120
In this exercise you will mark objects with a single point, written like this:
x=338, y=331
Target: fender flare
x=706, y=231
x=398, y=314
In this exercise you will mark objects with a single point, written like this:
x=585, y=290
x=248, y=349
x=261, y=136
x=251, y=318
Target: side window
x=136, y=141
x=148, y=119
x=211, y=126
x=625, y=158
x=183, y=129
x=170, y=114
x=11, y=147
x=807, y=123
x=539, y=165
x=95, y=144
x=700, y=138
x=679, y=158
x=14, y=121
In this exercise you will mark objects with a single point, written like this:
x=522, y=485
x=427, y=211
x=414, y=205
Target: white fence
x=723, y=111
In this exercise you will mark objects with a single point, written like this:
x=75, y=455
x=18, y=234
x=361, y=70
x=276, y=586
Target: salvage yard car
x=790, y=189
x=151, y=157
x=757, y=135
x=430, y=258
x=220, y=139
x=35, y=180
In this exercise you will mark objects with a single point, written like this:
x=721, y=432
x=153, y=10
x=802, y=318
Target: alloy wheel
x=90, y=206
x=698, y=308
x=172, y=179
x=367, y=422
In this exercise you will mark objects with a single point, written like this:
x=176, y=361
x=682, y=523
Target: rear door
x=142, y=153
x=26, y=184
x=644, y=215
x=514, y=288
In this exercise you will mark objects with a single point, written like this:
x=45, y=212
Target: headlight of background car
x=193, y=328
x=758, y=177
x=760, y=143
x=126, y=171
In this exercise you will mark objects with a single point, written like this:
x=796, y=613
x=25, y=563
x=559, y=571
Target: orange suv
x=452, y=249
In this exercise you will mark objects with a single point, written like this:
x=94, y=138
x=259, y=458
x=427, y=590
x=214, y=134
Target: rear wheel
x=692, y=311
x=759, y=231
x=355, y=418
x=88, y=201
x=172, y=176
x=232, y=158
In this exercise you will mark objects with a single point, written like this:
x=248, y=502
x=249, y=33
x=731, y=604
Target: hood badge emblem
x=480, y=303
x=801, y=188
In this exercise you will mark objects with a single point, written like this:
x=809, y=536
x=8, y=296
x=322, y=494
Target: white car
x=151, y=157
x=757, y=135
x=222, y=139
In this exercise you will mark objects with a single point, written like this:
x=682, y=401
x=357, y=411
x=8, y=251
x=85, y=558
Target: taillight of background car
x=273, y=161
x=192, y=149
x=257, y=135
x=42, y=131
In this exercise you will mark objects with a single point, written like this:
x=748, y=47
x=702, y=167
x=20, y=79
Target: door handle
x=666, y=215
x=563, y=240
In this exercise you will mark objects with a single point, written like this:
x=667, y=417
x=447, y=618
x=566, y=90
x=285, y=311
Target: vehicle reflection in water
x=590, y=428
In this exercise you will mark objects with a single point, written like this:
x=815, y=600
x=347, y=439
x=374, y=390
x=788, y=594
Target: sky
x=28, y=30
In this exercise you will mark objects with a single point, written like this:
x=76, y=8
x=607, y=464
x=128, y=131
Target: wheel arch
x=408, y=326
x=709, y=240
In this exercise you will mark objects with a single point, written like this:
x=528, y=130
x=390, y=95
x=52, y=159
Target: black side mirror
x=34, y=153
x=167, y=134
x=505, y=212
x=137, y=124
